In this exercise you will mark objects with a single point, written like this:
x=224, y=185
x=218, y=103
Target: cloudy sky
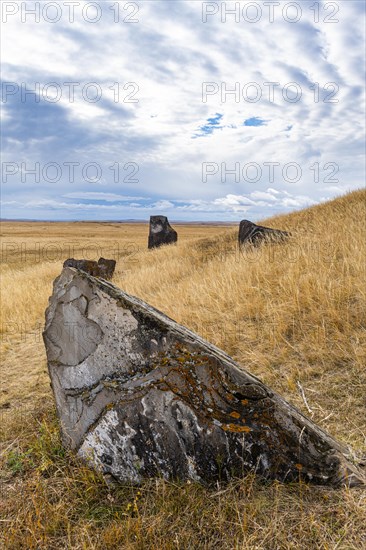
x=196, y=110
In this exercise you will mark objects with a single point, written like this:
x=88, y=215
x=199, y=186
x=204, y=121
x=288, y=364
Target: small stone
x=106, y=268
x=103, y=268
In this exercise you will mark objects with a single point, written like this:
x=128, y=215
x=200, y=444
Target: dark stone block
x=250, y=233
x=161, y=232
x=106, y=268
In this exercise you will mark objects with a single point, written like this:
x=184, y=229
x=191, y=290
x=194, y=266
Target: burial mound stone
x=254, y=234
x=138, y=395
x=161, y=232
x=102, y=268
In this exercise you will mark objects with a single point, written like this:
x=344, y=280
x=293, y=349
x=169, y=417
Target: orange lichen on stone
x=235, y=428
x=298, y=466
x=235, y=414
x=244, y=401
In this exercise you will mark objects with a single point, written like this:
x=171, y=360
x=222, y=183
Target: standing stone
x=161, y=232
x=254, y=234
x=138, y=395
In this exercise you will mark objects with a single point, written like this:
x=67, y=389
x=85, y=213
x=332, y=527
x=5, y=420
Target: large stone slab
x=139, y=395
x=250, y=233
x=161, y=232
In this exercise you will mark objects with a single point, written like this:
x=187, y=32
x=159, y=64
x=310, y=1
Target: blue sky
x=180, y=112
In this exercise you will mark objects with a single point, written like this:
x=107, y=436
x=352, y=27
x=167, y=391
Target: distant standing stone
x=254, y=234
x=161, y=232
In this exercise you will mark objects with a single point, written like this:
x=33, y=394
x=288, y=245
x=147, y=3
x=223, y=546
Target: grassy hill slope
x=293, y=314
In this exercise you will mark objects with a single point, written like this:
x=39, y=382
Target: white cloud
x=108, y=197
x=229, y=207
x=163, y=205
x=263, y=195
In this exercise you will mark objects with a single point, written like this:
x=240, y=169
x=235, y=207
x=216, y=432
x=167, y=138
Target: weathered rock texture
x=102, y=268
x=139, y=395
x=254, y=234
x=161, y=232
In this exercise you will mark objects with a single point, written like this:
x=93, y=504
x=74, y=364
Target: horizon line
x=128, y=220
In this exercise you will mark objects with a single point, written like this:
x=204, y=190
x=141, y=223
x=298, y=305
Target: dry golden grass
x=288, y=313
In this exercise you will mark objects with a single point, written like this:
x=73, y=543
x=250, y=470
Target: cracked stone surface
x=250, y=233
x=138, y=396
x=161, y=232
